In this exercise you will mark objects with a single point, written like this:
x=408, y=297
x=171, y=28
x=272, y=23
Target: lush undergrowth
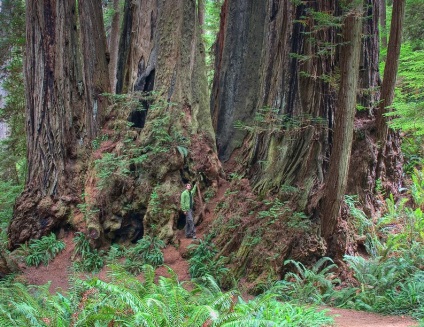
x=125, y=301
x=389, y=279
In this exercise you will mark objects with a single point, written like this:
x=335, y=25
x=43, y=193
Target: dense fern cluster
x=148, y=250
x=390, y=280
x=43, y=250
x=127, y=302
x=85, y=257
x=204, y=261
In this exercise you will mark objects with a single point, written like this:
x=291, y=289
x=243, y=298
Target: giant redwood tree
x=65, y=73
x=161, y=74
x=116, y=170
x=287, y=79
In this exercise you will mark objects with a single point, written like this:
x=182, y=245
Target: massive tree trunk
x=363, y=161
x=344, y=121
x=235, y=90
x=161, y=67
x=63, y=111
x=277, y=71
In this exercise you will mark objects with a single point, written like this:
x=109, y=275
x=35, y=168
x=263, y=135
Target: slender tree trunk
x=387, y=161
x=383, y=23
x=95, y=65
x=201, y=14
x=114, y=45
x=344, y=121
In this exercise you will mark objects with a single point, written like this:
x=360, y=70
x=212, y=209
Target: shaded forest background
x=309, y=113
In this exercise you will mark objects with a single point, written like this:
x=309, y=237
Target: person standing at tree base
x=187, y=208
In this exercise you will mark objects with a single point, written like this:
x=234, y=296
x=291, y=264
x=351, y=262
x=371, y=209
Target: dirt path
x=175, y=258
x=352, y=318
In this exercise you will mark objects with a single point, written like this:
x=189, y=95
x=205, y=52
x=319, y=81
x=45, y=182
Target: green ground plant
x=315, y=285
x=42, y=251
x=390, y=286
x=125, y=301
x=409, y=103
x=389, y=279
x=7, y=199
x=85, y=257
x=115, y=253
x=148, y=251
x=360, y=220
x=417, y=187
x=204, y=261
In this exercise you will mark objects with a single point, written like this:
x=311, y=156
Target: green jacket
x=185, y=198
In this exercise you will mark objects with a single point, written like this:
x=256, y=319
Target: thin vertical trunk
x=344, y=120
x=114, y=45
x=383, y=23
x=201, y=14
x=385, y=137
x=95, y=66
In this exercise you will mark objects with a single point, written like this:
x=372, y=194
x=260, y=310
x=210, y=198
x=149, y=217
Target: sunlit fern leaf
x=28, y=312
x=200, y=314
x=6, y=318
x=149, y=277
x=183, y=151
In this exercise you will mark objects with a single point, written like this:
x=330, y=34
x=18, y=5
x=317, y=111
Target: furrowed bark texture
x=238, y=56
x=389, y=158
x=281, y=71
x=95, y=65
x=60, y=113
x=165, y=54
x=161, y=53
x=114, y=45
x=344, y=121
x=363, y=161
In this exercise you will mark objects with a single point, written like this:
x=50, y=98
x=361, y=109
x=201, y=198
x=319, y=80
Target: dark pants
x=189, y=227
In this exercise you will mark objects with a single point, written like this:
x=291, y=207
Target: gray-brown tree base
x=37, y=215
x=8, y=264
x=258, y=234
x=137, y=192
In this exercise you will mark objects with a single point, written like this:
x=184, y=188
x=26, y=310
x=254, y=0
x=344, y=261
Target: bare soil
x=176, y=258
x=352, y=318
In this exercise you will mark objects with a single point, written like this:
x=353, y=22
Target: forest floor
x=176, y=258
